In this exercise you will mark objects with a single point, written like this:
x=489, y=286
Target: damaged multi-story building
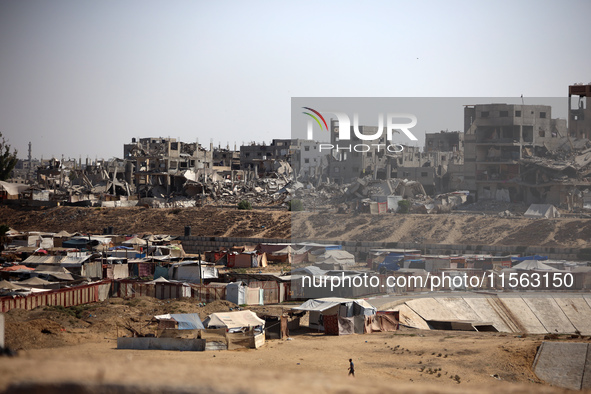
x=161, y=164
x=308, y=159
x=346, y=163
x=579, y=121
x=429, y=167
x=264, y=159
x=519, y=153
x=225, y=159
x=439, y=167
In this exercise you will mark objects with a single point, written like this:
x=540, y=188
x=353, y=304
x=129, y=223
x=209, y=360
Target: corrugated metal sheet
x=63, y=297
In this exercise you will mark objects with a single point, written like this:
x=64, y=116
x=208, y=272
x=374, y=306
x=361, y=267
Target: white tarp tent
x=533, y=265
x=323, y=304
x=234, y=320
x=13, y=189
x=339, y=256
x=542, y=211
x=135, y=241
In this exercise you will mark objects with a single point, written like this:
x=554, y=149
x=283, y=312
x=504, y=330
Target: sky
x=81, y=78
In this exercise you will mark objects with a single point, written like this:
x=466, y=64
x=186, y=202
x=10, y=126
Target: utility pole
x=30, y=159
x=200, y=271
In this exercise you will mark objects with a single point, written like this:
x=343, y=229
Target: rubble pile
x=360, y=194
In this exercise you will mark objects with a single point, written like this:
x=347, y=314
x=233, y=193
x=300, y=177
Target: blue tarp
x=121, y=248
x=524, y=258
x=391, y=262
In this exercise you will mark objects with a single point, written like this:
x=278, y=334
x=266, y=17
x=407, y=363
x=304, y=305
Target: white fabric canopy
x=236, y=319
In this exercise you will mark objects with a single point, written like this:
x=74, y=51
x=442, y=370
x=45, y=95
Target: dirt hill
x=438, y=229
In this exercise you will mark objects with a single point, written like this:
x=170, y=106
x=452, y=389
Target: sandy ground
x=59, y=347
x=314, y=363
x=457, y=228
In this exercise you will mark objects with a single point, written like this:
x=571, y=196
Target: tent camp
x=542, y=211
x=336, y=315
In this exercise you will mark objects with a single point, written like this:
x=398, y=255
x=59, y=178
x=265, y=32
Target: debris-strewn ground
x=203, y=221
x=406, y=360
x=455, y=228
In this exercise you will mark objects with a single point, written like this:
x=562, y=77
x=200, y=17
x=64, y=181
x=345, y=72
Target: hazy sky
x=81, y=78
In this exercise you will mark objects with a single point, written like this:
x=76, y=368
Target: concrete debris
x=167, y=173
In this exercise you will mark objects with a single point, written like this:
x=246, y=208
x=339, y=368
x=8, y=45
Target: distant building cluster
x=506, y=152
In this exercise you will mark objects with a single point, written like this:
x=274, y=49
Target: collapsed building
x=160, y=164
x=519, y=153
x=506, y=153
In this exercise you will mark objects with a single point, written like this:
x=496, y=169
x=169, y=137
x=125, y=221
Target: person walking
x=351, y=367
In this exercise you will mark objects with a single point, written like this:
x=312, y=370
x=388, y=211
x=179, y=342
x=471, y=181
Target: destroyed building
x=438, y=171
x=160, y=164
x=579, y=122
x=519, y=153
x=308, y=159
x=346, y=164
x=225, y=159
x=259, y=156
x=444, y=141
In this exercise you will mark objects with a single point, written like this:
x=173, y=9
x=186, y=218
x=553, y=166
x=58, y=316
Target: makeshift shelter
x=17, y=268
x=243, y=329
x=63, y=234
x=240, y=294
x=542, y=211
x=338, y=316
x=235, y=321
x=534, y=257
x=192, y=271
x=247, y=260
x=181, y=321
x=4, y=284
x=283, y=255
x=136, y=242
x=55, y=272
x=533, y=265
x=10, y=288
x=335, y=259
x=11, y=190
x=38, y=283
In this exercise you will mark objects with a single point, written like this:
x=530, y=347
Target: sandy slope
x=442, y=229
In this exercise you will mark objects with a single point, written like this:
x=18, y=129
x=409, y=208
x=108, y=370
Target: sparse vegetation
x=245, y=205
x=403, y=206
